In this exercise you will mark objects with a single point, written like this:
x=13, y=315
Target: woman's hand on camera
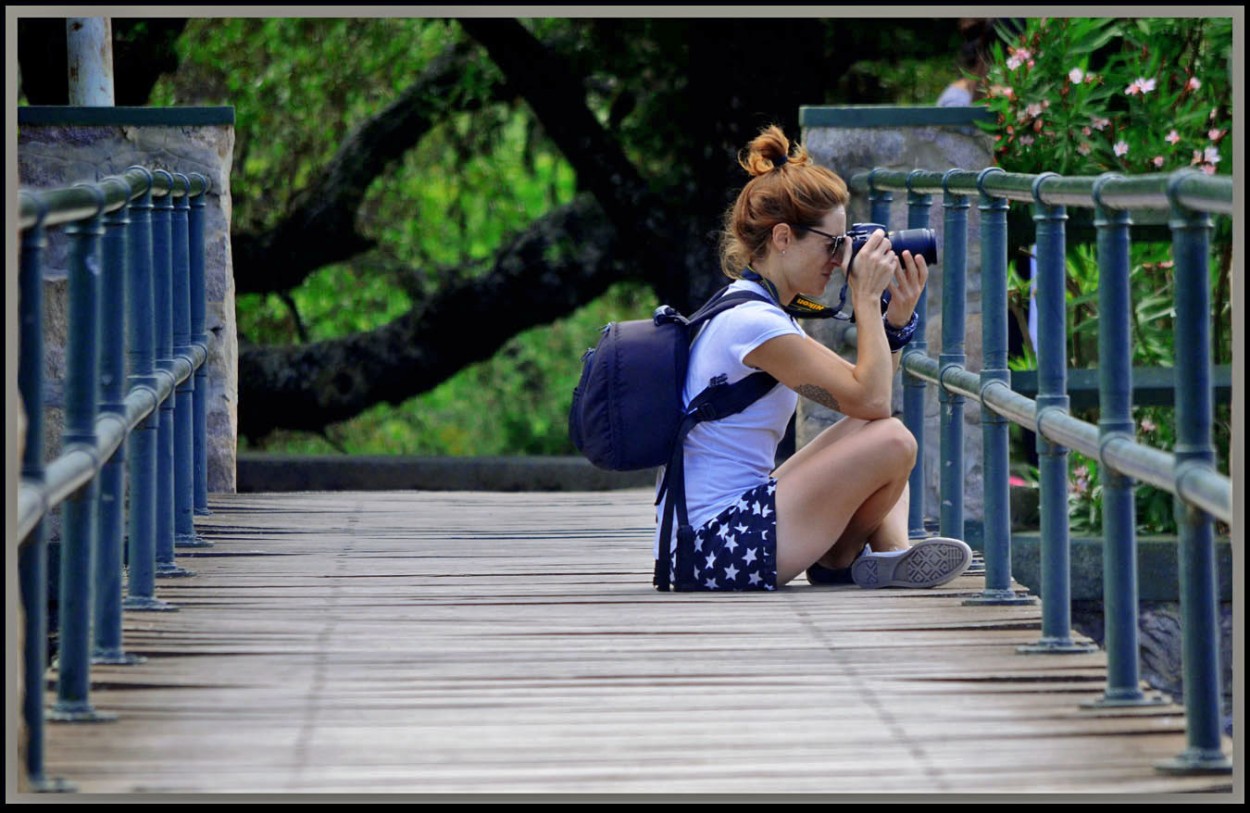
x=874, y=269
x=905, y=289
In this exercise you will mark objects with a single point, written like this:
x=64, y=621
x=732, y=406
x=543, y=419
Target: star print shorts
x=737, y=549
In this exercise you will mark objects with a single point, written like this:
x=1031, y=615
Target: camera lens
x=920, y=242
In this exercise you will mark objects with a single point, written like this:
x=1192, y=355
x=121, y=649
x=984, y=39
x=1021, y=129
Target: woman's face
x=814, y=261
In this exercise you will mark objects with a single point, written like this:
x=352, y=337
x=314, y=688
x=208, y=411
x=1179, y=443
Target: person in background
x=970, y=87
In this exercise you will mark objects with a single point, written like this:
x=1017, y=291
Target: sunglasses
x=835, y=240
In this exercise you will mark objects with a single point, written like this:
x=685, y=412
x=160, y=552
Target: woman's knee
x=894, y=440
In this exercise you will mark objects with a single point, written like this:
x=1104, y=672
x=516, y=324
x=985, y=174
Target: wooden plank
x=511, y=643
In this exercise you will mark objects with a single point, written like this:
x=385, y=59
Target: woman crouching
x=837, y=509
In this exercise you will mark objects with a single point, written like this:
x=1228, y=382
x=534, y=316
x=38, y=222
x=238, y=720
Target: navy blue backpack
x=628, y=412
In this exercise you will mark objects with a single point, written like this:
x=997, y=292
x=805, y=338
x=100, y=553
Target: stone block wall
x=63, y=146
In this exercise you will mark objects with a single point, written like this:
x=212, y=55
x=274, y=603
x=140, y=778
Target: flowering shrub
x=1084, y=96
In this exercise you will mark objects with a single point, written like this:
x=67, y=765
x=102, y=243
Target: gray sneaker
x=927, y=563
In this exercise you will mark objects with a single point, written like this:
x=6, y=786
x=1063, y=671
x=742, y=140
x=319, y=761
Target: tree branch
x=558, y=100
x=562, y=261
x=321, y=227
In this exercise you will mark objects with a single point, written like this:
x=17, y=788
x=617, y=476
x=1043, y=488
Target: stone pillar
x=853, y=140
x=62, y=146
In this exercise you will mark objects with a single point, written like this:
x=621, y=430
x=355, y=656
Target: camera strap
x=801, y=307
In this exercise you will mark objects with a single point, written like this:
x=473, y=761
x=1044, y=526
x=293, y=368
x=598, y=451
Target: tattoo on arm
x=820, y=395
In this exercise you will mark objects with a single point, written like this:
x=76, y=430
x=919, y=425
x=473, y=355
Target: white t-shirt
x=727, y=457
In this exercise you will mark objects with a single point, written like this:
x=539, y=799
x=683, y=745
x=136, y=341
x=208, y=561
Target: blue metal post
x=79, y=532
x=108, y=564
x=1115, y=397
x=199, y=335
x=144, y=440
x=1052, y=396
x=184, y=410
x=33, y=556
x=995, y=434
x=918, y=206
x=163, y=274
x=1191, y=234
x=879, y=202
x=954, y=306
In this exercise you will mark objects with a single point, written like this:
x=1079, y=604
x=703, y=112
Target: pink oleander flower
x=1034, y=110
x=1208, y=169
x=1076, y=75
x=1081, y=484
x=1148, y=425
x=1193, y=83
x=1211, y=155
x=1026, y=140
x=1099, y=123
x=1172, y=137
x=1157, y=160
x=1216, y=134
x=1018, y=57
x=1121, y=148
x=1083, y=148
x=1197, y=159
x=1086, y=131
x=1140, y=85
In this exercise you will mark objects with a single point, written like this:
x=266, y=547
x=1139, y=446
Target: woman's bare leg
x=889, y=534
x=842, y=490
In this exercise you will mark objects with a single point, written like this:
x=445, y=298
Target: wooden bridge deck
x=511, y=643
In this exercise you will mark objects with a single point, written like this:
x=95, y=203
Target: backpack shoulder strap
x=723, y=301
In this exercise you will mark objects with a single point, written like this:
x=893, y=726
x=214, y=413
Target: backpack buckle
x=706, y=412
x=666, y=314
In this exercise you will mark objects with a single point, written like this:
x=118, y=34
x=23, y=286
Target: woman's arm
x=864, y=389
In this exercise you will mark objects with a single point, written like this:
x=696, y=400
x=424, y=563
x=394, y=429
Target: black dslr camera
x=920, y=242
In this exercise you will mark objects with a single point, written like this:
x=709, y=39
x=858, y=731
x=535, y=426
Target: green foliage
x=1080, y=96
x=906, y=80
x=515, y=403
x=300, y=86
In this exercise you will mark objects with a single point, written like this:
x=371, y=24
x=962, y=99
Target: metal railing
x=135, y=357
x=1189, y=473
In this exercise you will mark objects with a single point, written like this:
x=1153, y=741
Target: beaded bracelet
x=898, y=337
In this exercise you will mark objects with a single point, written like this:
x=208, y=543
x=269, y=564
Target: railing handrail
x=1197, y=485
x=1188, y=187
x=62, y=205
x=78, y=462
